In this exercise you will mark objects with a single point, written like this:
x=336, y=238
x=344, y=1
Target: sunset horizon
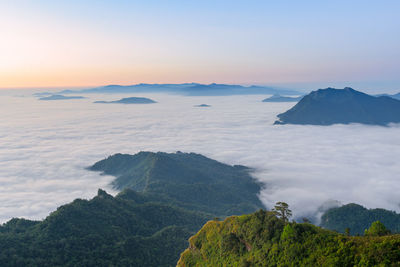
x=75, y=44
x=199, y=133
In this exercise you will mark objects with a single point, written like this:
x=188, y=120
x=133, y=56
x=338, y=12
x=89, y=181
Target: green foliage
x=377, y=229
x=173, y=196
x=281, y=209
x=261, y=239
x=347, y=231
x=288, y=233
x=126, y=230
x=231, y=244
x=358, y=218
x=186, y=180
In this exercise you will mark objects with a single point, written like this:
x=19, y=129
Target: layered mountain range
x=190, y=89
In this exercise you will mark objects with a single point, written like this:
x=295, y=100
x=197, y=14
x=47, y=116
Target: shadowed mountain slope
x=331, y=106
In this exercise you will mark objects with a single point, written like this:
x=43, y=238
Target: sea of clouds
x=46, y=145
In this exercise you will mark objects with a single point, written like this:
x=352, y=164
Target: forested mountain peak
x=188, y=180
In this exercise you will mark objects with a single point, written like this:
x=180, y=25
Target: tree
x=282, y=211
x=377, y=229
x=347, y=231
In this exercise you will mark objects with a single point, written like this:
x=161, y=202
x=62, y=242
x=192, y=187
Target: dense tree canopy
x=173, y=196
x=127, y=230
x=262, y=239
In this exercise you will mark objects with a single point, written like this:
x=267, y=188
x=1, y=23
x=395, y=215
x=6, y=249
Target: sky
x=46, y=145
x=295, y=43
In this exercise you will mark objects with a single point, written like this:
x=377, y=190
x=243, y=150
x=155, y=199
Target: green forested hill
x=261, y=239
x=187, y=180
x=357, y=219
x=104, y=231
x=165, y=199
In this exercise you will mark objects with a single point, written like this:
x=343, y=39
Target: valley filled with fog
x=45, y=147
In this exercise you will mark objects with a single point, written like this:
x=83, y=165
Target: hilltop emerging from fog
x=330, y=106
x=186, y=179
x=129, y=100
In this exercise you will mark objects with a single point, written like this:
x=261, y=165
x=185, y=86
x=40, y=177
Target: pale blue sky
x=85, y=43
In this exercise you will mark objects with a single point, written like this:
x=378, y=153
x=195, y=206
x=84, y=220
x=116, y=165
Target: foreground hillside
x=261, y=239
x=187, y=180
x=126, y=230
x=330, y=106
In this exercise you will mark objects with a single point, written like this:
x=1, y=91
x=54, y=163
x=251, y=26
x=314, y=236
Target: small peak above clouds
x=332, y=106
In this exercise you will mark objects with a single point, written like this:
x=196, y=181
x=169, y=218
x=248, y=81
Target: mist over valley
x=46, y=146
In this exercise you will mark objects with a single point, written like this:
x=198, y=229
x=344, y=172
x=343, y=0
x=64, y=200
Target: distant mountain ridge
x=187, y=180
x=189, y=89
x=60, y=97
x=279, y=98
x=395, y=96
x=129, y=100
x=330, y=106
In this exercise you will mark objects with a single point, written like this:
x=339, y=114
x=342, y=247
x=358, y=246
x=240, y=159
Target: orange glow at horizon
x=92, y=77
x=85, y=44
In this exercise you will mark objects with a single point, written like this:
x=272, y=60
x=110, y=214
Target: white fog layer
x=46, y=145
